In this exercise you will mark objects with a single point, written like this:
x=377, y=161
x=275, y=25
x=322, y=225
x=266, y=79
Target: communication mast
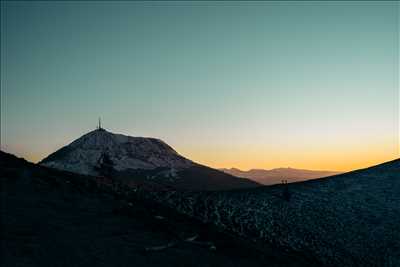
x=99, y=125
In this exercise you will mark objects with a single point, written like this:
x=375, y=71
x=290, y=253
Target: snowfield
x=126, y=152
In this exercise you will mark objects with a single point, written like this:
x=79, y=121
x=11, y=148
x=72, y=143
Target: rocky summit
x=87, y=153
x=139, y=161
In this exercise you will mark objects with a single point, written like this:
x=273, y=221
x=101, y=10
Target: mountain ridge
x=278, y=168
x=276, y=175
x=137, y=160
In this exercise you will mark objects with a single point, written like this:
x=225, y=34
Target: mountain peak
x=126, y=152
x=139, y=161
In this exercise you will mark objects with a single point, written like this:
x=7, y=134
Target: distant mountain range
x=139, y=161
x=275, y=176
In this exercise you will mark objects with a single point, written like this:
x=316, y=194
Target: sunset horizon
x=320, y=163
x=200, y=133
x=227, y=85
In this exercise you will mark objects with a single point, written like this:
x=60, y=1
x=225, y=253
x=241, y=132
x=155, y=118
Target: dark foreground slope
x=53, y=218
x=351, y=219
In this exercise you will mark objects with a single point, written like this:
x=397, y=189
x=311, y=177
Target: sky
x=310, y=85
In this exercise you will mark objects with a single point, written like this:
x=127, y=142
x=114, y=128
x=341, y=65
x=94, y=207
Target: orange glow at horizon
x=245, y=87
x=334, y=156
x=329, y=157
x=327, y=163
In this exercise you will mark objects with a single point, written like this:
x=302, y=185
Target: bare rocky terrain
x=345, y=220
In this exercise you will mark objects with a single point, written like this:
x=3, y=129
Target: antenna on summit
x=99, y=126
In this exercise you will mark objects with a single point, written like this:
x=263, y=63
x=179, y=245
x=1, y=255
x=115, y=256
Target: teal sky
x=228, y=84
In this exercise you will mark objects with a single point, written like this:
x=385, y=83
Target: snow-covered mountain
x=85, y=154
x=137, y=160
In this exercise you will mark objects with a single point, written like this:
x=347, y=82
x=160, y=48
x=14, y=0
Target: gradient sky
x=228, y=84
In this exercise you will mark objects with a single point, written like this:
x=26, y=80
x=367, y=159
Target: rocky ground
x=345, y=220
